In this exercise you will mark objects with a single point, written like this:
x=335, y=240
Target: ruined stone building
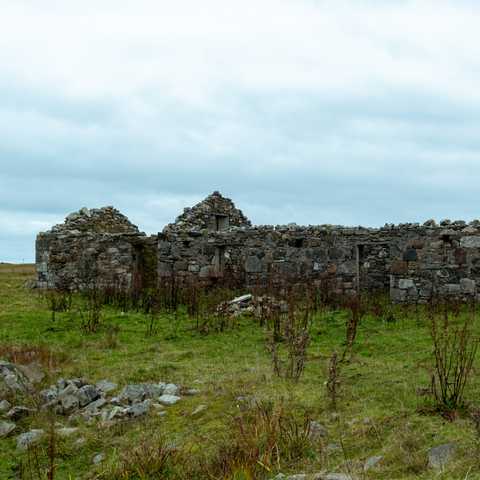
x=213, y=242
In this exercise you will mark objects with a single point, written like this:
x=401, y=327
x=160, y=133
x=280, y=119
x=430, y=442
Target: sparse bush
x=454, y=349
x=91, y=310
x=333, y=381
x=59, y=300
x=356, y=311
x=289, y=356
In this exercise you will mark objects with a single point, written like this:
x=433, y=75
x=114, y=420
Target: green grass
x=378, y=408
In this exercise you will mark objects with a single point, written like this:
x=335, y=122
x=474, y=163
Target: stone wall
x=445, y=262
x=351, y=259
x=214, y=242
x=98, y=247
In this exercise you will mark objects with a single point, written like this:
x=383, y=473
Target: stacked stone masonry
x=213, y=242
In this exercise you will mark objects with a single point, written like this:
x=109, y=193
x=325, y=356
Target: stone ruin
x=214, y=243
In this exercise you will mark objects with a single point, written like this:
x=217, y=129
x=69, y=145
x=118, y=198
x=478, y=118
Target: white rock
x=168, y=399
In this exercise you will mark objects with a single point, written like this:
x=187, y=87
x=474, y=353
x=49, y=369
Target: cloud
x=300, y=110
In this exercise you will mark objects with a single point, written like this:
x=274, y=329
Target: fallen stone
x=138, y=409
x=6, y=428
x=105, y=386
x=49, y=394
x=168, y=399
x=115, y=412
x=25, y=440
x=12, y=379
x=372, y=462
x=69, y=403
x=19, y=412
x=87, y=394
x=132, y=393
x=5, y=405
x=438, y=457
x=170, y=389
x=33, y=372
x=99, y=458
x=95, y=406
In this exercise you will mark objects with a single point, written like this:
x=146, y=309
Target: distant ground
x=380, y=410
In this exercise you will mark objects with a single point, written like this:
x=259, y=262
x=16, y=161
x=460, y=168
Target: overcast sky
x=307, y=111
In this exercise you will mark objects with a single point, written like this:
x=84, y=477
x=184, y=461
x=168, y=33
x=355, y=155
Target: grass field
x=379, y=411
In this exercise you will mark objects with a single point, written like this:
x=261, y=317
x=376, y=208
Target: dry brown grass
x=27, y=354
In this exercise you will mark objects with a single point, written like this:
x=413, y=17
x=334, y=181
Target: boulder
x=25, y=440
x=104, y=386
x=168, y=399
x=87, y=394
x=6, y=428
x=12, y=379
x=19, y=412
x=438, y=457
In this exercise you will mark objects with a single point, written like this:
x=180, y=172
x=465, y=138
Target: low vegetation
x=273, y=393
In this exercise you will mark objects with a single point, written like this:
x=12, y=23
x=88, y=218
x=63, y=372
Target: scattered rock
x=87, y=394
x=69, y=403
x=25, y=440
x=105, y=386
x=139, y=409
x=99, y=458
x=96, y=405
x=439, y=456
x=372, y=462
x=5, y=405
x=6, y=428
x=12, y=379
x=170, y=389
x=33, y=372
x=19, y=412
x=168, y=399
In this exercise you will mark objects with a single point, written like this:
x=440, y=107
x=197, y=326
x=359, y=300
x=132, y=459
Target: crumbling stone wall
x=214, y=242
x=444, y=262
x=350, y=259
x=210, y=215
x=92, y=247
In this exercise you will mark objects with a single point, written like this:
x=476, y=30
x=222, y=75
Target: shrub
x=454, y=349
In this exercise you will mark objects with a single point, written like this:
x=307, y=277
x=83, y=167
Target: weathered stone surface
x=106, y=386
x=372, y=462
x=18, y=412
x=139, y=409
x=6, y=428
x=214, y=240
x=168, y=399
x=99, y=458
x=25, y=440
x=470, y=242
x=12, y=379
x=438, y=457
x=87, y=394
